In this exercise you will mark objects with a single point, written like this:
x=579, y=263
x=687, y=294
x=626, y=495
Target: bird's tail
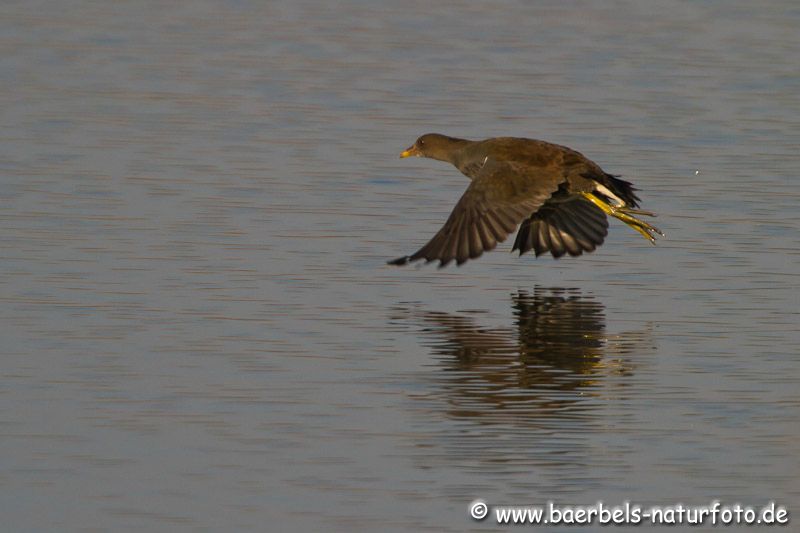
x=623, y=189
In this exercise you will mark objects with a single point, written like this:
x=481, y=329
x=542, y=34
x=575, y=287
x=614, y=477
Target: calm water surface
x=199, y=332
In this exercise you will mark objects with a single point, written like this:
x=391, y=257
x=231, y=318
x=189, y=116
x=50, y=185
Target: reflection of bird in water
x=556, y=356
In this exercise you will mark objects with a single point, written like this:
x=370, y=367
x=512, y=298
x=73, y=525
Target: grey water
x=198, y=329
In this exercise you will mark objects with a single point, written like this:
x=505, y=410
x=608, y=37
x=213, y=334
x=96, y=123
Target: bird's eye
x=421, y=142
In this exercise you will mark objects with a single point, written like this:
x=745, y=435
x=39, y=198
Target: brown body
x=559, y=197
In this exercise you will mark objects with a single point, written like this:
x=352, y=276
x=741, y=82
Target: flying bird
x=557, y=196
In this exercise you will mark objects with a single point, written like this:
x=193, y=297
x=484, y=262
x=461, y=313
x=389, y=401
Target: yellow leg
x=625, y=214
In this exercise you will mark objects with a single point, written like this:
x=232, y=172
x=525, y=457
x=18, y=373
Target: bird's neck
x=467, y=160
x=455, y=151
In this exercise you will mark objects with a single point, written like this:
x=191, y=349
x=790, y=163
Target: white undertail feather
x=602, y=189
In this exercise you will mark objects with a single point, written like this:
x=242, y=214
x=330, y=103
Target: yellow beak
x=412, y=150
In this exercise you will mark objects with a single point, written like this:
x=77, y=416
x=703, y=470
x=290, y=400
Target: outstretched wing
x=502, y=195
x=564, y=224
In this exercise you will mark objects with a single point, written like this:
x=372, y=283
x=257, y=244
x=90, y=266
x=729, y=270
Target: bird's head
x=434, y=146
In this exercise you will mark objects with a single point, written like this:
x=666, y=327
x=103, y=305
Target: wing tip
x=400, y=261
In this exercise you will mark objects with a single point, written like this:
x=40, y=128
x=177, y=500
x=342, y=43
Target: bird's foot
x=626, y=215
